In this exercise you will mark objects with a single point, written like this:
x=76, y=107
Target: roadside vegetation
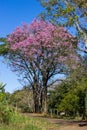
x=25, y=122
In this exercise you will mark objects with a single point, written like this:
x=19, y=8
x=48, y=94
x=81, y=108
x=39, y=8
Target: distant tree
x=69, y=104
x=69, y=96
x=56, y=95
x=22, y=99
x=38, y=52
x=74, y=100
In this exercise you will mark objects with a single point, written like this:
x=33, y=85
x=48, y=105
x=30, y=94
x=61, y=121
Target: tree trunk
x=37, y=101
x=45, y=100
x=40, y=101
x=36, y=109
x=37, y=96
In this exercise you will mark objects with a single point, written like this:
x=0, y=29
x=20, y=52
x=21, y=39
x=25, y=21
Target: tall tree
x=39, y=52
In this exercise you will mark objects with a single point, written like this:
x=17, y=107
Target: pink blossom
x=42, y=37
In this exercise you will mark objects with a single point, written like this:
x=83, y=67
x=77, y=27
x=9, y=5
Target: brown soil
x=73, y=127
x=69, y=125
x=64, y=124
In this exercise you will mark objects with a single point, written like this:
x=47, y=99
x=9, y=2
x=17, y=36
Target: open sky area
x=12, y=14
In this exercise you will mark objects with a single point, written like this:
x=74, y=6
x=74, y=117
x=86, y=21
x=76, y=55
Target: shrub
x=6, y=114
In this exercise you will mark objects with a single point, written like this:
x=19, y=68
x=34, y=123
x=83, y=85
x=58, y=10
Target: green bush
x=6, y=111
x=26, y=109
x=6, y=114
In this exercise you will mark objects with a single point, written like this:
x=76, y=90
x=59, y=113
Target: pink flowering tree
x=38, y=52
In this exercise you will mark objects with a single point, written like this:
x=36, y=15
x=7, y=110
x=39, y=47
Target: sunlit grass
x=22, y=122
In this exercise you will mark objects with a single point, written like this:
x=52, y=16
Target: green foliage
x=68, y=14
x=58, y=94
x=81, y=3
x=69, y=96
x=2, y=93
x=67, y=9
x=2, y=97
x=6, y=113
x=3, y=47
x=5, y=110
x=26, y=122
x=22, y=99
x=57, y=10
x=69, y=104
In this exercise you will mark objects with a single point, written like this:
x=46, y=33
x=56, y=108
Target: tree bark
x=45, y=100
x=37, y=101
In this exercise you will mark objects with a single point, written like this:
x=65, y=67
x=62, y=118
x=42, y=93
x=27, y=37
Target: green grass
x=22, y=122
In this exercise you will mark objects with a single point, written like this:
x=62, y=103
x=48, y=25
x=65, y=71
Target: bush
x=6, y=114
x=26, y=109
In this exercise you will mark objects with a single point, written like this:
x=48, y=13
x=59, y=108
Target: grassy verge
x=22, y=122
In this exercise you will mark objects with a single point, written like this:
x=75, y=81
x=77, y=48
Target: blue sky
x=12, y=14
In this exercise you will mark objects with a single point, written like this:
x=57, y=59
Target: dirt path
x=65, y=124
x=73, y=127
x=69, y=125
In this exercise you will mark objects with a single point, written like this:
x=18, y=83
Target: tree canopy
x=71, y=14
x=40, y=51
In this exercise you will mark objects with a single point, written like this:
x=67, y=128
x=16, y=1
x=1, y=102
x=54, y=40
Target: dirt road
x=69, y=125
x=73, y=127
x=65, y=124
